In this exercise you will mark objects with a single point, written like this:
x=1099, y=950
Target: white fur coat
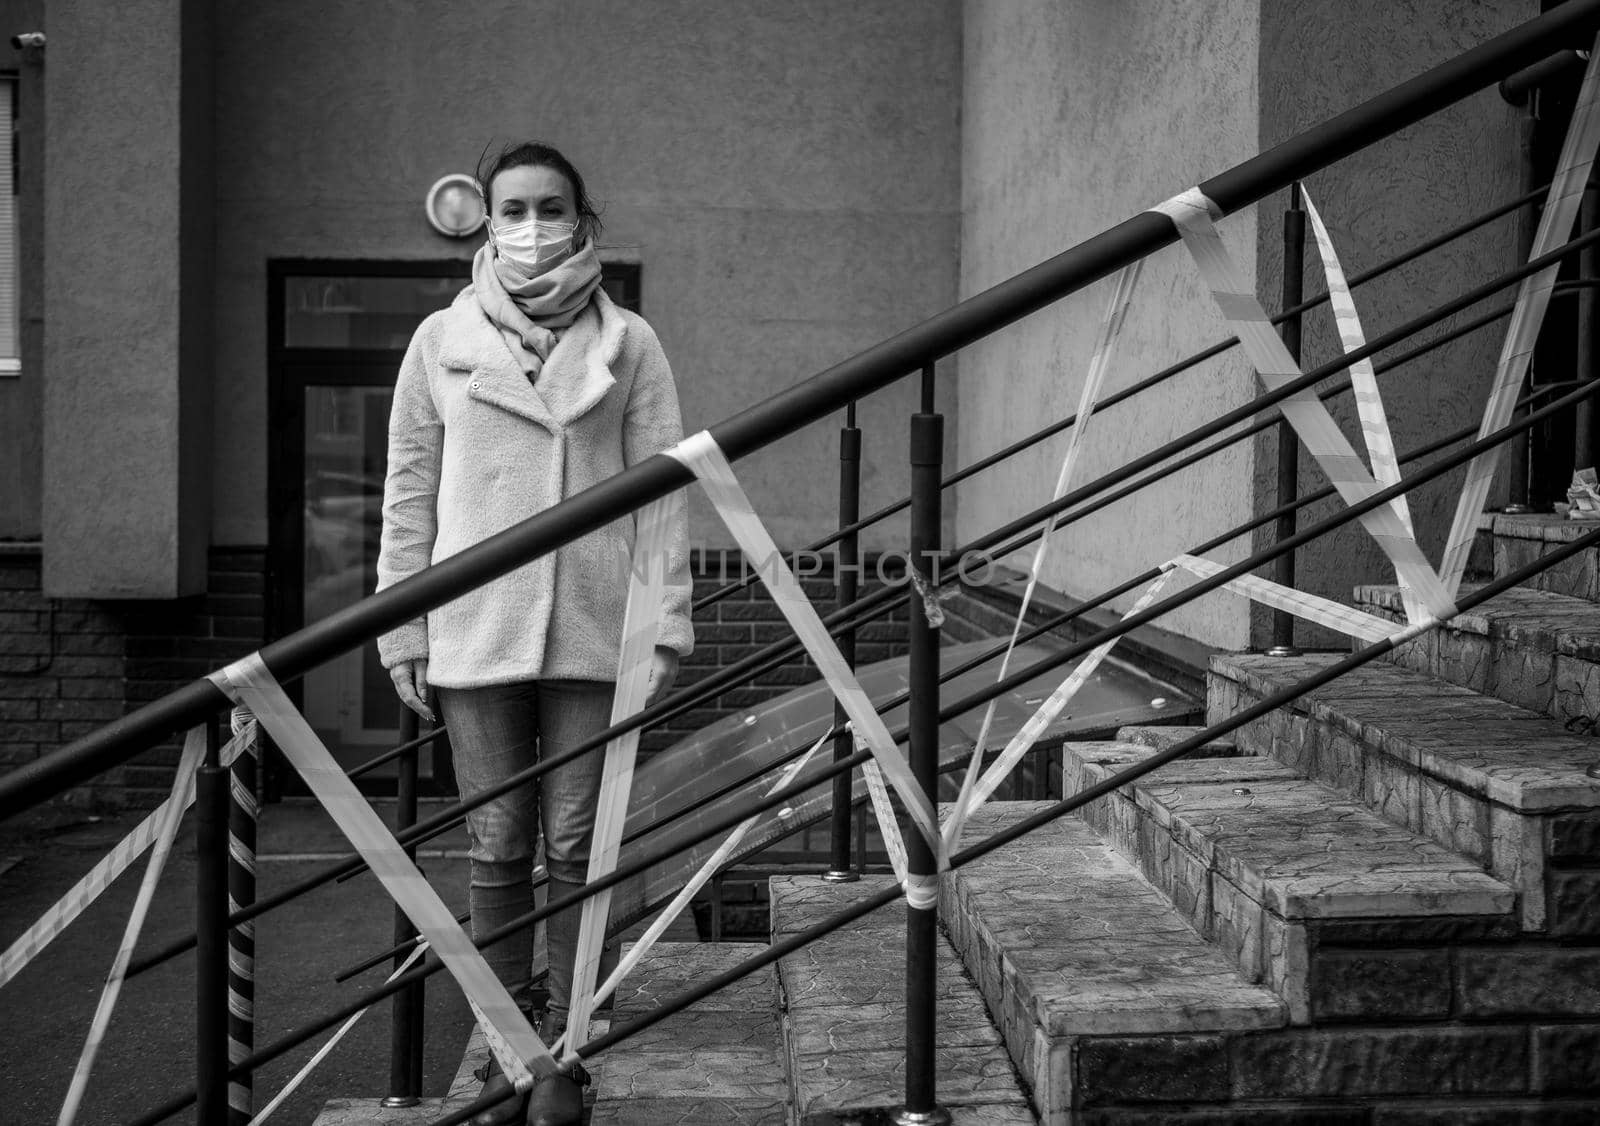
x=474, y=447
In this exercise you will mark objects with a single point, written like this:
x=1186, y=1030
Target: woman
x=529, y=388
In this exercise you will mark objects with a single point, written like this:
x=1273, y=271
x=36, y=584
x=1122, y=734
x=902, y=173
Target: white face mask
x=532, y=245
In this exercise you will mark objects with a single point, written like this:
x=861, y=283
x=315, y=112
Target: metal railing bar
x=1210, y=352
x=801, y=404
x=980, y=696
x=394, y=752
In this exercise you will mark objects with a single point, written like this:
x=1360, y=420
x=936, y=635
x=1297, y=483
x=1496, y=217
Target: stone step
x=1160, y=738
x=1270, y=867
x=1499, y=784
x=717, y=1061
x=1521, y=539
x=1531, y=648
x=845, y=1015
x=1070, y=945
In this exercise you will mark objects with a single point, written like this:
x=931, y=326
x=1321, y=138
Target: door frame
x=289, y=372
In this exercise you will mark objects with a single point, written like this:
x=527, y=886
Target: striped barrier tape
x=1110, y=332
x=65, y=910
x=704, y=458
x=1192, y=214
x=1311, y=607
x=517, y=1047
x=1375, y=431
x=1527, y=315
x=672, y=910
x=641, y=622
x=183, y=789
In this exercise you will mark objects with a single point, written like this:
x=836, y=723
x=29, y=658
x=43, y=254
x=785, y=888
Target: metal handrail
x=974, y=699
x=789, y=410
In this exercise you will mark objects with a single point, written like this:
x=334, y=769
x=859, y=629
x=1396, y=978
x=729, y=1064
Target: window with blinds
x=10, y=348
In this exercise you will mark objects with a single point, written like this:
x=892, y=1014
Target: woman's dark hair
x=537, y=154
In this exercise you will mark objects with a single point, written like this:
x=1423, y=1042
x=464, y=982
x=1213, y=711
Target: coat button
x=474, y=385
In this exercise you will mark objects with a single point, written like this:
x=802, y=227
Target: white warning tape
x=1313, y=608
x=183, y=781
x=65, y=910
x=1192, y=214
x=1527, y=316
x=671, y=911
x=701, y=455
x=1109, y=334
x=640, y=624
x=513, y=1040
x=1364, y=386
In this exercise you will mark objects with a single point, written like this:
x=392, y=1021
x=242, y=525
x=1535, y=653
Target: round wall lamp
x=454, y=206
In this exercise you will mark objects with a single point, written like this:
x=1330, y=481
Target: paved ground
x=45, y=1012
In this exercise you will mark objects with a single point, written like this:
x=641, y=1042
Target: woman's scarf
x=528, y=311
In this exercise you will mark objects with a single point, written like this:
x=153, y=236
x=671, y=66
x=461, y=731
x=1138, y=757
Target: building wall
x=1076, y=116
x=124, y=502
x=1317, y=60
x=787, y=174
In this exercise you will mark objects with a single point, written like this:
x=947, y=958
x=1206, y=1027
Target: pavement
x=148, y=1054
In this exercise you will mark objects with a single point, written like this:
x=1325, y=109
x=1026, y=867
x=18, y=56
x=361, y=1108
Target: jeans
x=499, y=731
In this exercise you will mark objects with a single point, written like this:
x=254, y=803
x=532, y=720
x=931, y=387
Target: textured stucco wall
x=1317, y=60
x=786, y=173
x=1076, y=115
x=119, y=522
x=22, y=398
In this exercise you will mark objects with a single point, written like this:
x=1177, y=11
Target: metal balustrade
x=913, y=351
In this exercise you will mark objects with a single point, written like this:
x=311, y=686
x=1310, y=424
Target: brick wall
x=69, y=666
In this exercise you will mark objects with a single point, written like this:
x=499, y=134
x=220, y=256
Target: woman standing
x=529, y=388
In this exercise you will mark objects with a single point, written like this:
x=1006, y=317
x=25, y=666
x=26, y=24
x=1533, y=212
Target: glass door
x=340, y=329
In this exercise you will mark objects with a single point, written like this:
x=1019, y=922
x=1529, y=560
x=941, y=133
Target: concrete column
x=128, y=283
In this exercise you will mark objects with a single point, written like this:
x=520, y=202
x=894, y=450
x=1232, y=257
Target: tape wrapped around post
x=511, y=1037
x=704, y=458
x=1193, y=214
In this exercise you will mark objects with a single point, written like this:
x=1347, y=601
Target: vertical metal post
x=1583, y=444
x=845, y=575
x=211, y=933
x=1294, y=243
x=1517, y=448
x=922, y=923
x=405, y=1014
x=242, y=811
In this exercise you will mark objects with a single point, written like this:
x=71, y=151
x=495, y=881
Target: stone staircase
x=1380, y=905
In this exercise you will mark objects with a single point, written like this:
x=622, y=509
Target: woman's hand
x=411, y=685
x=663, y=671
